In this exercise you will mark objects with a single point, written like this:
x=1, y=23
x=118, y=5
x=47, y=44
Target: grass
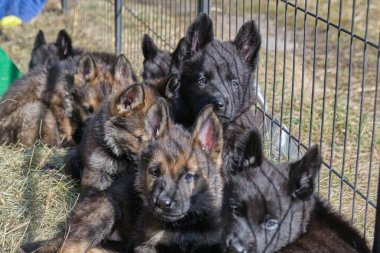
x=34, y=201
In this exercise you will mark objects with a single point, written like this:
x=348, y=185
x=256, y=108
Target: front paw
x=144, y=249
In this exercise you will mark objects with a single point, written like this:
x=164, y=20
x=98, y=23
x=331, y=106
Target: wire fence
x=318, y=74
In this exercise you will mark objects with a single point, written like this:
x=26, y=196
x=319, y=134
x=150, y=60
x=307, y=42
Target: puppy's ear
x=148, y=47
x=248, y=42
x=208, y=132
x=63, y=43
x=199, y=34
x=253, y=149
x=40, y=39
x=86, y=68
x=157, y=119
x=122, y=69
x=303, y=172
x=177, y=56
x=128, y=100
x=171, y=87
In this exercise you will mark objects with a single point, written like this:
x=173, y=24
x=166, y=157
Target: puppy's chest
x=184, y=239
x=110, y=164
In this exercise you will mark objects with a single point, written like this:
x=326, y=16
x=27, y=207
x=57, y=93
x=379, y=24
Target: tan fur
x=50, y=103
x=122, y=131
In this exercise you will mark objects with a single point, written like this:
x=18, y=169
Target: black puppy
x=272, y=208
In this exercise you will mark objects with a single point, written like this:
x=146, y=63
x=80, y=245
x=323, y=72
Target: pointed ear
x=177, y=56
x=40, y=39
x=86, y=67
x=253, y=149
x=302, y=173
x=157, y=119
x=171, y=86
x=248, y=42
x=199, y=34
x=122, y=69
x=129, y=99
x=148, y=47
x=208, y=132
x=63, y=43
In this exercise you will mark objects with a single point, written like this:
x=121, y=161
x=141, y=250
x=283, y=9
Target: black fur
x=217, y=73
x=272, y=207
x=47, y=54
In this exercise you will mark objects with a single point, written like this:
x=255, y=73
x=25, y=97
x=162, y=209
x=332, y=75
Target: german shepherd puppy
x=221, y=74
x=180, y=186
x=48, y=54
x=271, y=207
x=86, y=230
x=115, y=136
x=171, y=204
x=217, y=73
x=59, y=99
x=159, y=64
x=156, y=61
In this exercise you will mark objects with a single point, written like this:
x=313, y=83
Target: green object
x=8, y=72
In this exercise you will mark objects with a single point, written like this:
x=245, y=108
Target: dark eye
x=271, y=224
x=189, y=176
x=89, y=109
x=155, y=171
x=202, y=81
x=235, y=83
x=139, y=139
x=235, y=209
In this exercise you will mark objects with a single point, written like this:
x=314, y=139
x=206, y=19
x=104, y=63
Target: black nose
x=238, y=247
x=218, y=103
x=164, y=201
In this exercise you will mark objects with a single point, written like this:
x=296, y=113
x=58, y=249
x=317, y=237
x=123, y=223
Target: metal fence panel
x=318, y=74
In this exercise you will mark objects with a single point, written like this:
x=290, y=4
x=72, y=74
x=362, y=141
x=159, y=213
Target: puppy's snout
x=218, y=104
x=164, y=202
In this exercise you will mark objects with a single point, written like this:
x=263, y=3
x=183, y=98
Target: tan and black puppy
x=180, y=186
x=54, y=103
x=75, y=97
x=94, y=217
x=171, y=204
x=115, y=137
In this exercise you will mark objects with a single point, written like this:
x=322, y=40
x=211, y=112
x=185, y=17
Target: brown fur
x=52, y=103
x=115, y=137
x=130, y=210
x=181, y=188
x=24, y=117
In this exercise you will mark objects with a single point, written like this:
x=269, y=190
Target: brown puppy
x=171, y=204
x=52, y=104
x=94, y=217
x=115, y=137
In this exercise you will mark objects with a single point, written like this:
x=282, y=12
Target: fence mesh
x=318, y=74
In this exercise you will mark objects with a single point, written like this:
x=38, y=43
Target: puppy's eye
x=202, y=81
x=89, y=109
x=155, y=171
x=235, y=83
x=235, y=208
x=271, y=224
x=189, y=176
x=139, y=139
